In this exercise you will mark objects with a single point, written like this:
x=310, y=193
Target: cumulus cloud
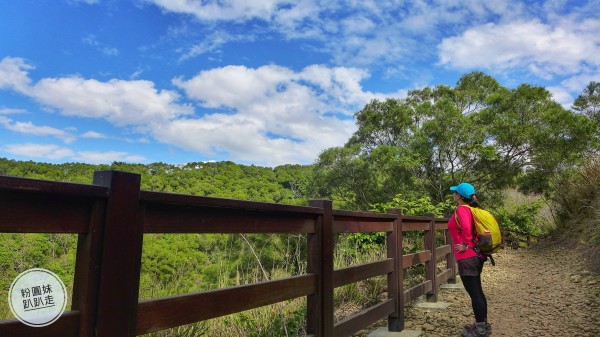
x=60, y=153
x=546, y=50
x=121, y=102
x=267, y=115
x=29, y=128
x=93, y=135
x=13, y=74
x=570, y=88
x=96, y=157
x=277, y=114
x=45, y=151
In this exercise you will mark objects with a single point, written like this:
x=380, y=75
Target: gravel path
x=541, y=291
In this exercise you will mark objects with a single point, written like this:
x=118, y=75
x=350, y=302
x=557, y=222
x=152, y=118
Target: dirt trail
x=541, y=291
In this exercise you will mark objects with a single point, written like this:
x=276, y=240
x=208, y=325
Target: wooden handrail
x=112, y=216
x=515, y=242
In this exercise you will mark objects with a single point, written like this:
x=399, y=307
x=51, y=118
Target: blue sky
x=265, y=82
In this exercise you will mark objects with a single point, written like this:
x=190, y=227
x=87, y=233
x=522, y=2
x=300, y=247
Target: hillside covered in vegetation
x=535, y=165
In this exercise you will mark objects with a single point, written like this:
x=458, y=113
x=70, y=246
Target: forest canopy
x=478, y=131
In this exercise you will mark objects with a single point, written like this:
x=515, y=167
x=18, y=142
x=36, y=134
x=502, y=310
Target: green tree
x=589, y=101
x=477, y=131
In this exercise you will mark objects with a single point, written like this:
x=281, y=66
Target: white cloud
x=29, y=129
x=352, y=32
x=87, y=2
x=570, y=88
x=546, y=50
x=234, y=86
x=107, y=157
x=13, y=74
x=212, y=43
x=276, y=114
x=8, y=111
x=121, y=102
x=55, y=152
x=93, y=135
x=91, y=40
x=248, y=140
x=223, y=10
x=118, y=101
x=46, y=151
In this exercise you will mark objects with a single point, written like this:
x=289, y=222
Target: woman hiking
x=468, y=259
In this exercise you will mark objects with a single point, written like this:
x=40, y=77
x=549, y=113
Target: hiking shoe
x=477, y=330
x=471, y=326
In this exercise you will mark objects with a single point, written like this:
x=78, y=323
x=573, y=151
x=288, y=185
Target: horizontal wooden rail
x=357, y=226
x=442, y=251
x=44, y=213
x=514, y=238
x=112, y=216
x=176, y=218
x=342, y=277
x=192, y=200
x=67, y=325
x=444, y=276
x=418, y=290
x=415, y=226
x=410, y=260
x=172, y=311
x=55, y=188
x=359, y=321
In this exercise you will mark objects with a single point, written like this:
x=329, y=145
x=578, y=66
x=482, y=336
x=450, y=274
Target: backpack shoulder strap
x=456, y=216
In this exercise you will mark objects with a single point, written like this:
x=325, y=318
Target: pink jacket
x=464, y=235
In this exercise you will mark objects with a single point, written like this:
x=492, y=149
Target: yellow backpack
x=487, y=230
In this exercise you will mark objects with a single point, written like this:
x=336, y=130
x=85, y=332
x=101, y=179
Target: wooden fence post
x=396, y=279
x=325, y=229
x=430, y=266
x=450, y=259
x=87, y=267
x=119, y=274
x=314, y=324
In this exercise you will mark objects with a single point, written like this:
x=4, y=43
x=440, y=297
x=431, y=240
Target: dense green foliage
x=477, y=131
x=404, y=155
x=282, y=184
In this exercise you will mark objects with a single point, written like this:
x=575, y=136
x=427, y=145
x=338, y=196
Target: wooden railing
x=516, y=239
x=111, y=217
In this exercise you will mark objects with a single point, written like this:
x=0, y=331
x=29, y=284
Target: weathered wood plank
x=168, y=312
x=193, y=200
x=66, y=326
x=444, y=276
x=37, y=186
x=415, y=226
x=43, y=213
x=416, y=291
x=363, y=319
x=174, y=218
x=358, y=226
x=361, y=272
x=410, y=260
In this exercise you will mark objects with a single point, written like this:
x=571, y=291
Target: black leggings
x=478, y=301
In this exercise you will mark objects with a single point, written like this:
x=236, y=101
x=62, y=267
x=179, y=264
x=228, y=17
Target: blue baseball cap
x=465, y=190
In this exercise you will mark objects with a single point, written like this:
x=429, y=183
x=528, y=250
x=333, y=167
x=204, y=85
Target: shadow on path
x=541, y=291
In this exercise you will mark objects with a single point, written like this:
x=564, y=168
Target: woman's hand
x=461, y=247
